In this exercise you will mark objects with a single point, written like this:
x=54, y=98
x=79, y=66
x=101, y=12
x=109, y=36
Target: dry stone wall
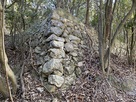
x=58, y=48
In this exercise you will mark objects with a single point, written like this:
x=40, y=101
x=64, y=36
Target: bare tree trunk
x=107, y=32
x=87, y=13
x=100, y=37
x=130, y=47
x=72, y=8
x=4, y=59
x=111, y=12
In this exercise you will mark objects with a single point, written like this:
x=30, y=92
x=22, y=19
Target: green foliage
x=131, y=23
x=25, y=13
x=94, y=21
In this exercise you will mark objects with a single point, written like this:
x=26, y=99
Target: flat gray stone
x=75, y=59
x=57, y=23
x=52, y=65
x=57, y=53
x=46, y=58
x=80, y=64
x=74, y=38
x=56, y=72
x=56, y=30
x=49, y=87
x=69, y=29
x=65, y=34
x=57, y=44
x=70, y=24
x=67, y=40
x=40, y=61
x=55, y=15
x=64, y=20
x=54, y=37
x=74, y=54
x=70, y=69
x=37, y=49
x=43, y=53
x=56, y=80
x=69, y=47
x=77, y=33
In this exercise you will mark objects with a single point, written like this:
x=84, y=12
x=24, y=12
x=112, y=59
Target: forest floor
x=91, y=86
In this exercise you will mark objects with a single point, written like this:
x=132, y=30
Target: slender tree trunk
x=87, y=13
x=107, y=32
x=100, y=37
x=72, y=8
x=111, y=12
x=131, y=48
x=3, y=57
x=77, y=10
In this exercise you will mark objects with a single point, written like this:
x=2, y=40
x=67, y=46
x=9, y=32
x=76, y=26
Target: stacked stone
x=60, y=51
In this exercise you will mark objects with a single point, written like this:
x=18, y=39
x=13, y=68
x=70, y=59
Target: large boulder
x=52, y=65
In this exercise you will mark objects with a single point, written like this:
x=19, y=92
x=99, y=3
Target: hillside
x=59, y=62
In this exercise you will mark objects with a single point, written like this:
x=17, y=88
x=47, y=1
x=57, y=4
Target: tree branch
x=120, y=25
